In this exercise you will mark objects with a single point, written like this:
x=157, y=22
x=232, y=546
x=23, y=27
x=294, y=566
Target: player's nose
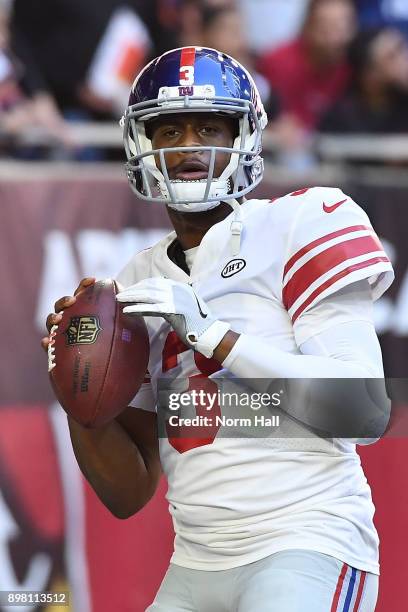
x=190, y=137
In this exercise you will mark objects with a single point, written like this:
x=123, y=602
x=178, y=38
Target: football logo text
x=233, y=267
x=83, y=330
x=186, y=91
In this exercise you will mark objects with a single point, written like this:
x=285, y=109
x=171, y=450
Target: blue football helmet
x=194, y=79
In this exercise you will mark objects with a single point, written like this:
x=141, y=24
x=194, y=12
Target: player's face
x=389, y=58
x=331, y=28
x=189, y=130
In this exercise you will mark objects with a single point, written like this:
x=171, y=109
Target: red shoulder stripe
x=334, y=279
x=319, y=241
x=324, y=262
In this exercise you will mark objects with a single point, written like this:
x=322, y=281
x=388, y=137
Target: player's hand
x=180, y=305
x=65, y=302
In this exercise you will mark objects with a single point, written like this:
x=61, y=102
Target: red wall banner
x=54, y=532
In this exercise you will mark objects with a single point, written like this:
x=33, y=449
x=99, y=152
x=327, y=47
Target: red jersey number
x=185, y=438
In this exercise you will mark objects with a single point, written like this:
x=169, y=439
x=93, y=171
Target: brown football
x=97, y=356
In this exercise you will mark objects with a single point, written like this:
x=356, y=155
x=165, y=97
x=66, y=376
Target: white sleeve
x=348, y=350
x=352, y=342
x=255, y=358
x=355, y=341
x=353, y=302
x=331, y=244
x=341, y=327
x=337, y=339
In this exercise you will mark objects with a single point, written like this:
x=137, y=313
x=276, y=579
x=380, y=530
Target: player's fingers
x=64, y=302
x=44, y=343
x=68, y=300
x=53, y=319
x=85, y=282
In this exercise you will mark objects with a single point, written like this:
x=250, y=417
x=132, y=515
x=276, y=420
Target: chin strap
x=189, y=194
x=236, y=228
x=207, y=342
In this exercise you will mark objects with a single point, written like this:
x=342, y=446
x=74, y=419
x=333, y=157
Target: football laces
x=51, y=348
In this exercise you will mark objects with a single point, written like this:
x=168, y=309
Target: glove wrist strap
x=208, y=341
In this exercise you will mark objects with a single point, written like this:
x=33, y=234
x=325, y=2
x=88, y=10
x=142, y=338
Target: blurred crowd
x=332, y=66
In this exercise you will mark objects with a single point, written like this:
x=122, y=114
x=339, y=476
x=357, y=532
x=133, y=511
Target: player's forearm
x=251, y=357
x=348, y=402
x=114, y=467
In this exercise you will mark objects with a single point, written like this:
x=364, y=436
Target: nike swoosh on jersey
x=204, y=316
x=329, y=209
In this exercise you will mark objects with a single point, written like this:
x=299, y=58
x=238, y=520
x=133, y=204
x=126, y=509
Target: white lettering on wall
x=38, y=571
x=98, y=253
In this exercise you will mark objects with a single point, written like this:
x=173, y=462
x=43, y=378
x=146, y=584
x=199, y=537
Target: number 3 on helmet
x=194, y=79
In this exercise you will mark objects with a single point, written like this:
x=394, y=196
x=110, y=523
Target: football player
x=243, y=289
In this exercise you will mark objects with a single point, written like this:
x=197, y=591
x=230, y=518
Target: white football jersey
x=237, y=500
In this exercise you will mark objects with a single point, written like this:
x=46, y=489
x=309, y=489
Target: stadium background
x=67, y=212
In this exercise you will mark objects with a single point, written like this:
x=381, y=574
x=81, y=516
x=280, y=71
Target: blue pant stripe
x=350, y=590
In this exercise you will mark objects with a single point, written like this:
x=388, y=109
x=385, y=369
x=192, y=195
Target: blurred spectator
x=19, y=113
x=10, y=92
x=222, y=28
x=161, y=18
x=272, y=23
x=191, y=18
x=375, y=13
x=311, y=72
x=87, y=53
x=378, y=98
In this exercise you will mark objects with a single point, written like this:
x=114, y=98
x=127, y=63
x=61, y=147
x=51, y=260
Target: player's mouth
x=189, y=170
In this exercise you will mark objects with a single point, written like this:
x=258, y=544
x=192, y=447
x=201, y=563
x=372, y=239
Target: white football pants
x=287, y=581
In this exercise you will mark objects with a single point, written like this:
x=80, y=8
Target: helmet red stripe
x=187, y=59
x=187, y=56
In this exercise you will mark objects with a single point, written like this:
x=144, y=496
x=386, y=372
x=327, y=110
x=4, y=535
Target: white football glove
x=179, y=304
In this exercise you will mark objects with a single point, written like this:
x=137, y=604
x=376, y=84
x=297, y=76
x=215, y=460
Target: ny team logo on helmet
x=194, y=79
